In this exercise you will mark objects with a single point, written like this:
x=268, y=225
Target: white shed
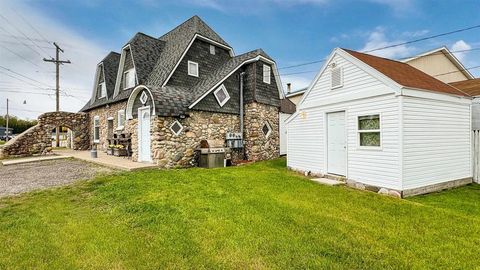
x=383, y=125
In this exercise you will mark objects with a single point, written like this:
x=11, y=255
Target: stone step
x=328, y=182
x=335, y=177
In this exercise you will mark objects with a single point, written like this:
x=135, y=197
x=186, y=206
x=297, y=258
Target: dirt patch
x=16, y=179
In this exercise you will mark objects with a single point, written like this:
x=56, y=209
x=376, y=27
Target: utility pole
x=57, y=62
x=6, y=130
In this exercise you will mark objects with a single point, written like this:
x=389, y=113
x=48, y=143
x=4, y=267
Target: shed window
x=144, y=98
x=121, y=119
x=369, y=133
x=192, y=69
x=103, y=89
x=96, y=129
x=337, y=77
x=221, y=94
x=176, y=128
x=129, y=78
x=212, y=49
x=267, y=129
x=266, y=73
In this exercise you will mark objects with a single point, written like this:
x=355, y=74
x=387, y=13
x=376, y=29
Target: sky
x=292, y=32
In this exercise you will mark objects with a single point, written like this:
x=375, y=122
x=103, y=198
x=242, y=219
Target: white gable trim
x=95, y=84
x=360, y=64
x=120, y=70
x=131, y=101
x=449, y=55
x=275, y=72
x=230, y=50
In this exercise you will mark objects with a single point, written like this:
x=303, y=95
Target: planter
x=109, y=151
x=119, y=152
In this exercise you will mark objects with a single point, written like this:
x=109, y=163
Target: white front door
x=283, y=133
x=144, y=134
x=336, y=153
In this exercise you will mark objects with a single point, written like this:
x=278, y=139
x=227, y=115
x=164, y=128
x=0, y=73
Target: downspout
x=242, y=74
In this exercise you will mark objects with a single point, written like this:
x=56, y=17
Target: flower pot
x=109, y=151
x=119, y=152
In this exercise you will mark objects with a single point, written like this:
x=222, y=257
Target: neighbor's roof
x=296, y=92
x=471, y=87
x=405, y=74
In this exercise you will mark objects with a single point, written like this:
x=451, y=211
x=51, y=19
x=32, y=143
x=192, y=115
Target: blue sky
x=291, y=31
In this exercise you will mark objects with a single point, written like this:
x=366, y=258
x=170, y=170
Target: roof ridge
x=178, y=26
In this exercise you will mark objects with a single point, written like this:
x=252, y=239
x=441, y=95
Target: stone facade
x=257, y=145
x=37, y=138
x=105, y=113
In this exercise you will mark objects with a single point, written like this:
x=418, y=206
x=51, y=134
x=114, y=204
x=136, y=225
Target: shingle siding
x=138, y=104
x=266, y=93
x=199, y=52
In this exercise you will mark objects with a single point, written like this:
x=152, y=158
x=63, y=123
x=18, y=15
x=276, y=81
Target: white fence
x=476, y=155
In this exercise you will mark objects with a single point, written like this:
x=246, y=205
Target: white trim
x=121, y=127
x=230, y=50
x=400, y=139
x=181, y=128
x=212, y=49
x=222, y=87
x=95, y=118
x=269, y=77
x=139, y=125
x=449, y=55
x=110, y=118
x=131, y=100
x=379, y=130
x=270, y=129
x=277, y=78
x=427, y=94
x=197, y=71
x=129, y=71
x=143, y=98
x=120, y=70
x=103, y=85
x=95, y=83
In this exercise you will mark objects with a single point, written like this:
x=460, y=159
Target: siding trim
x=131, y=101
x=120, y=69
x=400, y=139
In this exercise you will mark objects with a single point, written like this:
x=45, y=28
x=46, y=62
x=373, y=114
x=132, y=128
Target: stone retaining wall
x=37, y=138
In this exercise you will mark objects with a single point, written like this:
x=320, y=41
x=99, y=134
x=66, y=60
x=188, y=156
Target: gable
x=357, y=79
x=436, y=64
x=127, y=64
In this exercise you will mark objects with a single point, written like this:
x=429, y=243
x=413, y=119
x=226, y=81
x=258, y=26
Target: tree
x=18, y=125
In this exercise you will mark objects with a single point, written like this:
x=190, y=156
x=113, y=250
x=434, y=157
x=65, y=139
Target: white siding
x=436, y=139
x=306, y=133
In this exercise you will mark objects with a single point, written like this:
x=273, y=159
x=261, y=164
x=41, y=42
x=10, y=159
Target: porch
x=122, y=163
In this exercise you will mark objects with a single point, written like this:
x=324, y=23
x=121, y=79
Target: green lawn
x=256, y=216
x=2, y=142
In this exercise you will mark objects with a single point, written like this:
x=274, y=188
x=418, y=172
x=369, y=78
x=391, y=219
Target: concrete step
x=328, y=182
x=16, y=161
x=335, y=177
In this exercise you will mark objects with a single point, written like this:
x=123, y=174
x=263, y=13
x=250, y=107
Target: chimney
x=289, y=87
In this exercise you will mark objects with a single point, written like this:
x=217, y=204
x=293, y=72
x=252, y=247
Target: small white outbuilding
x=383, y=125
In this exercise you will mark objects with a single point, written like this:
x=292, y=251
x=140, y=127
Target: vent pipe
x=289, y=88
x=242, y=75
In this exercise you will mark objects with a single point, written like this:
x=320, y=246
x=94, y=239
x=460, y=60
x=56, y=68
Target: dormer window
x=266, y=74
x=337, y=77
x=129, y=78
x=103, y=89
x=192, y=69
x=212, y=49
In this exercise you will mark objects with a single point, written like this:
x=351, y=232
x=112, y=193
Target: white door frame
x=141, y=110
x=326, y=139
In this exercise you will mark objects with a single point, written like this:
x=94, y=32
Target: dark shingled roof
x=177, y=42
x=171, y=100
x=110, y=67
x=146, y=51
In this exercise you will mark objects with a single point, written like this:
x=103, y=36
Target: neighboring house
x=295, y=96
x=383, y=125
x=472, y=88
x=441, y=64
x=171, y=92
x=3, y=132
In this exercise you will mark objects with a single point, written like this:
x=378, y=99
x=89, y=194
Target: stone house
x=171, y=92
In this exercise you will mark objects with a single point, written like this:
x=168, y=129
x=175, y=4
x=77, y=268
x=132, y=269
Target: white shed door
x=336, y=143
x=283, y=133
x=144, y=134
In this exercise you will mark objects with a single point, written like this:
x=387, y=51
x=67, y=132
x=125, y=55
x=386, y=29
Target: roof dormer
x=127, y=74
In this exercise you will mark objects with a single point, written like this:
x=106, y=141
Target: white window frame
x=95, y=119
x=267, y=74
x=212, y=49
x=181, y=128
x=143, y=98
x=103, y=89
x=130, y=71
x=379, y=130
x=119, y=113
x=270, y=129
x=222, y=87
x=331, y=78
x=196, y=68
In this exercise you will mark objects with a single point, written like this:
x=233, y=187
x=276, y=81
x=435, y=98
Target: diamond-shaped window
x=176, y=128
x=266, y=129
x=221, y=94
x=144, y=98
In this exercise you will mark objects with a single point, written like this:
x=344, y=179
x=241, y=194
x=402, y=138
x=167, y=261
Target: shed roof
x=471, y=87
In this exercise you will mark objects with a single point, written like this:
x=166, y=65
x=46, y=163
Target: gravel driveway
x=15, y=179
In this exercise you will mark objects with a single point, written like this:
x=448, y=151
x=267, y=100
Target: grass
x=257, y=216
x=2, y=142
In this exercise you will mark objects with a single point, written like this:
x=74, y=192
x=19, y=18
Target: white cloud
x=400, y=7
x=378, y=39
x=76, y=78
x=461, y=46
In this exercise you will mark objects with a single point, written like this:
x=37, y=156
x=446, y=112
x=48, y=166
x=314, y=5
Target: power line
x=16, y=109
x=24, y=76
x=31, y=26
x=23, y=43
x=22, y=57
x=446, y=73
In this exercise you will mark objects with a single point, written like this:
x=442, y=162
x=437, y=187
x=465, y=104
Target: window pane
x=370, y=139
x=221, y=95
x=96, y=134
x=369, y=122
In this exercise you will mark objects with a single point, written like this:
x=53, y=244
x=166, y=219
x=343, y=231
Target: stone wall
x=104, y=113
x=37, y=138
x=257, y=145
